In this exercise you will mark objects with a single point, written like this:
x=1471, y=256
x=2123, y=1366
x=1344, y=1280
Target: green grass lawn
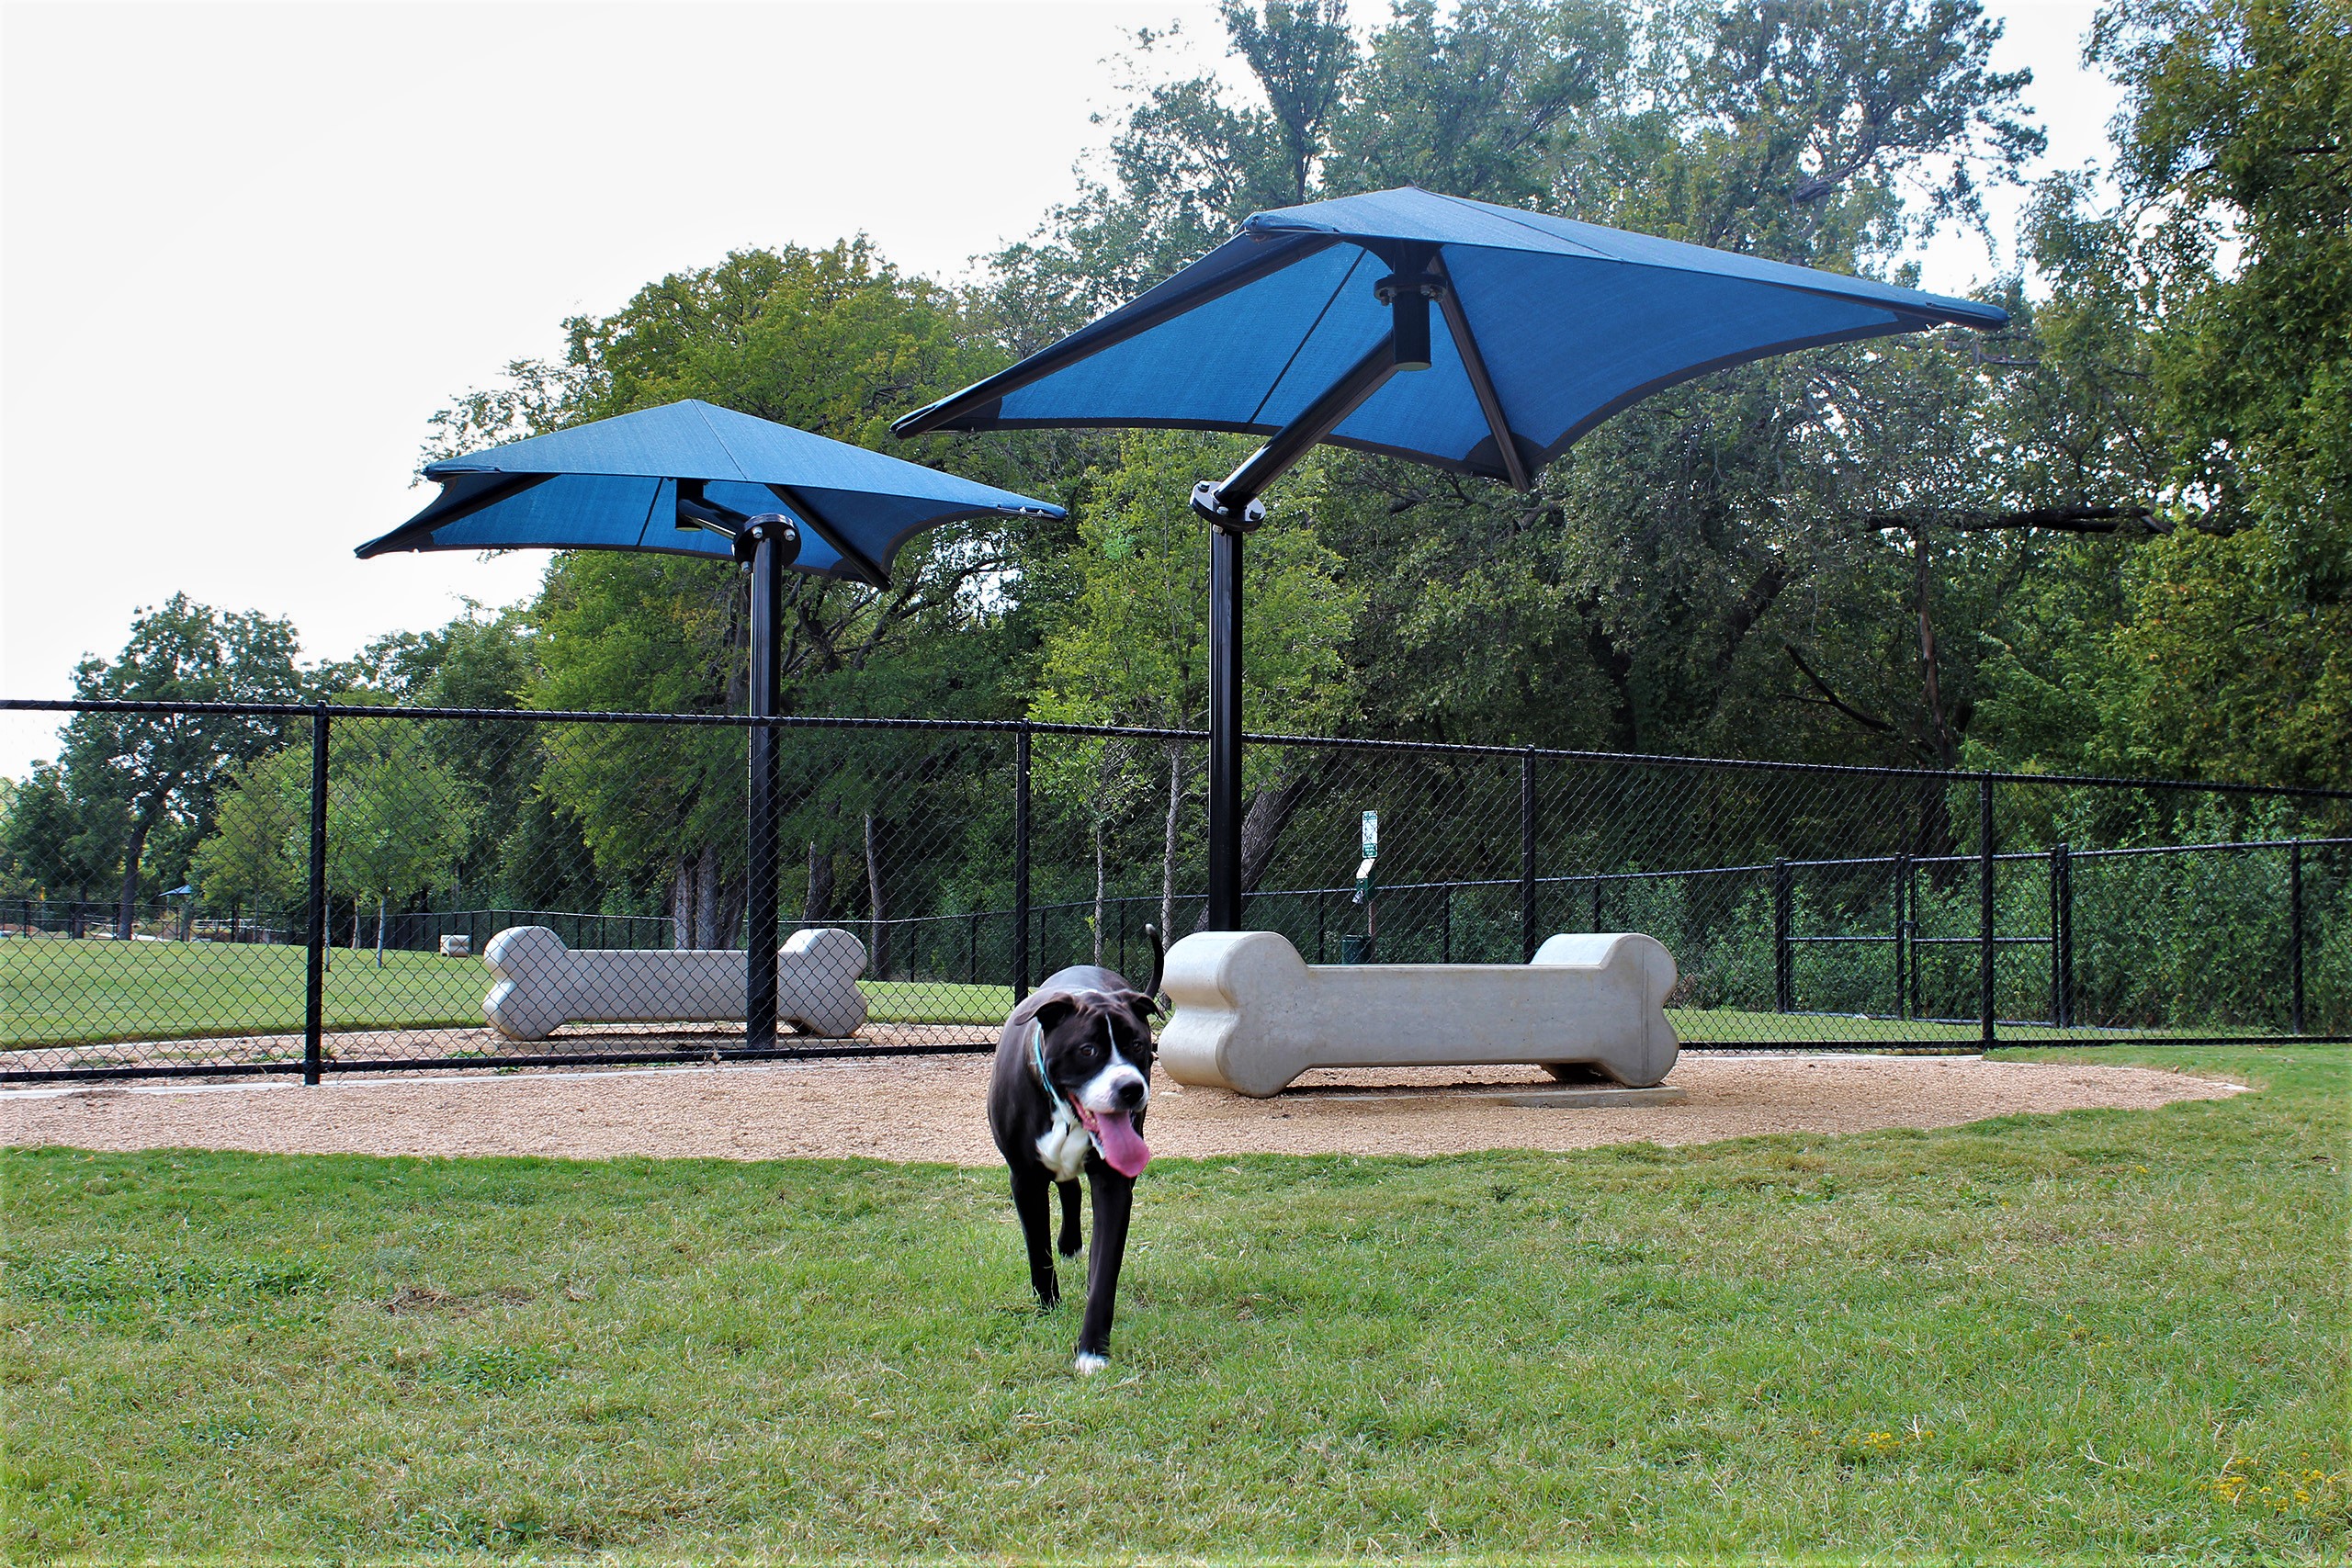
x=76, y=993
x=2092, y=1336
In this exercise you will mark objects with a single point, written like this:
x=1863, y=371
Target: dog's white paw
x=1089, y=1363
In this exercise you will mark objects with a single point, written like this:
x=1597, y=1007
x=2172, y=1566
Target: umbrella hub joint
x=1408, y=293
x=1244, y=518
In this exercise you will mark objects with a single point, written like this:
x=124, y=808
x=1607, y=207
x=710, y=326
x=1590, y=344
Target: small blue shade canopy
x=614, y=485
x=1568, y=322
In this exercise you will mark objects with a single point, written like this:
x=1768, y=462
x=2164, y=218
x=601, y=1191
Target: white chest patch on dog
x=1062, y=1148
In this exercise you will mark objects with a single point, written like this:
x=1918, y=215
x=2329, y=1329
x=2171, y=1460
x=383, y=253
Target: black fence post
x=972, y=949
x=314, y=978
x=1902, y=931
x=1020, y=863
x=1784, y=980
x=2295, y=932
x=1527, y=855
x=1445, y=924
x=1319, y=943
x=1596, y=903
x=2061, y=935
x=1984, y=905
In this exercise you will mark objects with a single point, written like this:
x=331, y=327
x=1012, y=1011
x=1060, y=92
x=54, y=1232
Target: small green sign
x=1371, y=834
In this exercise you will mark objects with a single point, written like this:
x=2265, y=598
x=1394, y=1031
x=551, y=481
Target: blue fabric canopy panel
x=614, y=485
x=1570, y=322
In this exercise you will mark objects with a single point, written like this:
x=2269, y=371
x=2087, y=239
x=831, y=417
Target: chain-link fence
x=345, y=873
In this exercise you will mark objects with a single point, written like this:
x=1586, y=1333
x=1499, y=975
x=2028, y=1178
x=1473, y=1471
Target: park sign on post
x=692, y=478
x=1314, y=323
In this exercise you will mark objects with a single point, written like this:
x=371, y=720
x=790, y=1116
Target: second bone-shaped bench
x=544, y=984
x=1250, y=1015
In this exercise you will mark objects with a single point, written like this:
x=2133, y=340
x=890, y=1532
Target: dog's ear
x=1140, y=1005
x=1053, y=1010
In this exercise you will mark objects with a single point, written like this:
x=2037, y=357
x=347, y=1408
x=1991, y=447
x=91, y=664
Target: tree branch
x=1834, y=700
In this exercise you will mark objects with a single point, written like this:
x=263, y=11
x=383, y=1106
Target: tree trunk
x=819, y=903
x=127, y=911
x=1097, y=890
x=1270, y=811
x=382, y=898
x=708, y=935
x=682, y=905
x=1168, y=846
x=878, y=947
x=1940, y=734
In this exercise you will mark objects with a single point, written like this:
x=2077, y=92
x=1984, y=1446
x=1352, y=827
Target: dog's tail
x=1158, y=960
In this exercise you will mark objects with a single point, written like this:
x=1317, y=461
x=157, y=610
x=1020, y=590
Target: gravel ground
x=933, y=1109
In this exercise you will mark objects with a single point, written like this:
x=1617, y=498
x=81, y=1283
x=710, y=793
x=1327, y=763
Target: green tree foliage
x=2206, y=316
x=834, y=341
x=48, y=847
x=1130, y=645
x=397, y=822
x=134, y=774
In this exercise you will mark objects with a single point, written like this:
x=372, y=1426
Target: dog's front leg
x=1031, y=1202
x=1069, y=1241
x=1113, y=1198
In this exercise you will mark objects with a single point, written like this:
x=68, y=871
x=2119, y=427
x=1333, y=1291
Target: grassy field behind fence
x=2091, y=1335
x=72, y=993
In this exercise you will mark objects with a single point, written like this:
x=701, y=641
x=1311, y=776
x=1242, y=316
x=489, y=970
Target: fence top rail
x=1196, y=737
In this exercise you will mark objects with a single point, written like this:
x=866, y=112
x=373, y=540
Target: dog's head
x=1095, y=1050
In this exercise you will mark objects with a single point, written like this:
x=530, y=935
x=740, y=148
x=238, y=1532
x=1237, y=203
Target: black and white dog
x=1073, y=1076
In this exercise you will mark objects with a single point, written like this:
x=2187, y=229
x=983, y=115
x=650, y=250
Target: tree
x=1131, y=648
x=2216, y=646
x=396, y=822
x=834, y=341
x=48, y=848
x=143, y=770
x=253, y=858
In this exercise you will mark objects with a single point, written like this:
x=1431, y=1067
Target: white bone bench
x=544, y=984
x=1250, y=1015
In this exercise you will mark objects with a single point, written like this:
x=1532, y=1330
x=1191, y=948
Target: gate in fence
x=335, y=847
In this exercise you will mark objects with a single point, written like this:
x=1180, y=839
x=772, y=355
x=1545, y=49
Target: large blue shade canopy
x=616, y=484
x=1548, y=327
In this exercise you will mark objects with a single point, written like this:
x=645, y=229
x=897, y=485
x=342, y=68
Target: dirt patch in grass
x=936, y=1110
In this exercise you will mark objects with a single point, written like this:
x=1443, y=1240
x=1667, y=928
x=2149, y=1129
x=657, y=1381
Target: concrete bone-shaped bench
x=544, y=984
x=1250, y=1015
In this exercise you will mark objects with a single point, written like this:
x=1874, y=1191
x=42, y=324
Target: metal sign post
x=1354, y=949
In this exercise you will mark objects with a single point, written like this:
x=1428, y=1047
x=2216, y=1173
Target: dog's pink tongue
x=1122, y=1145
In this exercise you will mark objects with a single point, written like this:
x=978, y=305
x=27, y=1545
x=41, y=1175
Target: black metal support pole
x=1020, y=863
x=314, y=923
x=2061, y=935
x=1783, y=979
x=1445, y=926
x=1233, y=509
x=1985, y=907
x=1225, y=730
x=2295, y=933
x=1527, y=856
x=1901, y=930
x=773, y=542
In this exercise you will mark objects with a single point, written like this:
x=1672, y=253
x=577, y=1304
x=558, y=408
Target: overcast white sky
x=245, y=251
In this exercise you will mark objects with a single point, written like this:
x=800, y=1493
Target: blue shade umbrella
x=692, y=478
x=1297, y=329
x=670, y=479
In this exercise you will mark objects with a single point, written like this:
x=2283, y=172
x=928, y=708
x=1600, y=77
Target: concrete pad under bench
x=1594, y=1097
x=1250, y=1015
x=544, y=984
